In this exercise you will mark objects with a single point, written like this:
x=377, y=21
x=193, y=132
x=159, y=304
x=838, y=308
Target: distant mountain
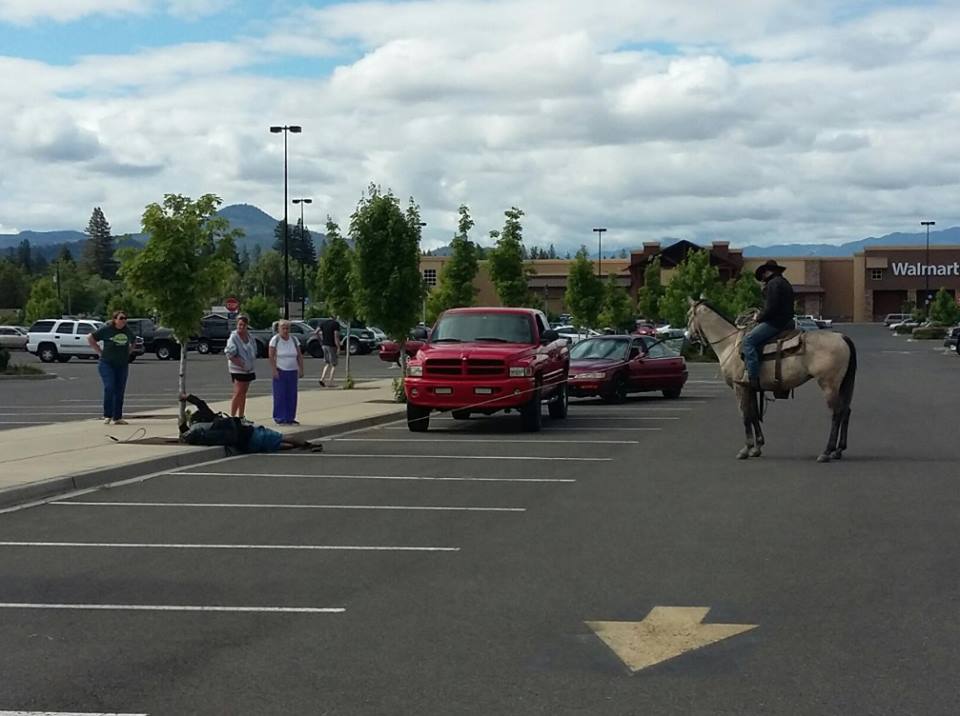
x=41, y=238
x=949, y=236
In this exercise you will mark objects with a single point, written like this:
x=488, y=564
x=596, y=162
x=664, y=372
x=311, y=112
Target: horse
x=829, y=358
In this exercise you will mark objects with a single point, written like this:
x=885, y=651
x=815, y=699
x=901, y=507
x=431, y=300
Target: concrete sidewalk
x=38, y=462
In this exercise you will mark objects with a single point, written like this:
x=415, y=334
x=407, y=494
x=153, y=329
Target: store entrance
x=885, y=302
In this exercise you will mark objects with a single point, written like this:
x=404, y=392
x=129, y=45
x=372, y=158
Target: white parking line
x=163, y=608
x=297, y=547
x=487, y=440
x=376, y=477
x=327, y=456
x=551, y=429
x=290, y=506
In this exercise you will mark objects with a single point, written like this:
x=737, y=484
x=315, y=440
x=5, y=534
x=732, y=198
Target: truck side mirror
x=549, y=336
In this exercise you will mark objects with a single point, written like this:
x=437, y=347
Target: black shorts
x=243, y=377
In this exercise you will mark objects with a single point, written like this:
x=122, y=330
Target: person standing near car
x=241, y=352
x=114, y=364
x=329, y=332
x=286, y=360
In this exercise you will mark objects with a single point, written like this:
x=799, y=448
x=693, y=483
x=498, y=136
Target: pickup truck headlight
x=521, y=371
x=590, y=376
x=415, y=371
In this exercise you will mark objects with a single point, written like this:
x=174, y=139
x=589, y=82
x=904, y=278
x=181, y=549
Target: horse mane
x=721, y=313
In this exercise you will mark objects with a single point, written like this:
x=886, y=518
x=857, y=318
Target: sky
x=764, y=122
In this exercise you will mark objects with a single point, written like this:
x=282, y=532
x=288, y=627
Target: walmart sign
x=903, y=268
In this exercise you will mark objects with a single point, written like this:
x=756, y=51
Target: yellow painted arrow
x=665, y=633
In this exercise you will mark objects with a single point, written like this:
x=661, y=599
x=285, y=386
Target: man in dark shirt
x=329, y=331
x=776, y=317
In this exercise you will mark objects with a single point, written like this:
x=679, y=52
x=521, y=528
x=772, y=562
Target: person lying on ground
x=205, y=427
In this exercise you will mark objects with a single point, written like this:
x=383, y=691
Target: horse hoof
x=755, y=452
x=823, y=458
x=837, y=455
x=743, y=454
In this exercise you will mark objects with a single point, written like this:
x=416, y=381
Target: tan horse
x=829, y=358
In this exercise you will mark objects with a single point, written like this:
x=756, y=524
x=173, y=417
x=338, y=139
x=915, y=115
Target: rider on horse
x=776, y=317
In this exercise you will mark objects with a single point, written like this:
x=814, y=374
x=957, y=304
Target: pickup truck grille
x=470, y=368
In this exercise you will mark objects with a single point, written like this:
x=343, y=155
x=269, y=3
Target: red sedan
x=613, y=366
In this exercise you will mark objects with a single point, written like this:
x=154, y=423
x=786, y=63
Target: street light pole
x=599, y=251
x=926, y=270
x=303, y=283
x=296, y=129
x=423, y=298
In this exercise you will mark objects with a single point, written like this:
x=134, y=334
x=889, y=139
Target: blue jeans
x=114, y=379
x=752, y=344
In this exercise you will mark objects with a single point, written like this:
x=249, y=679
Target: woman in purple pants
x=286, y=360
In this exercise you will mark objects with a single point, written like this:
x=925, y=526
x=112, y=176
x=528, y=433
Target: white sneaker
x=107, y=421
x=120, y=421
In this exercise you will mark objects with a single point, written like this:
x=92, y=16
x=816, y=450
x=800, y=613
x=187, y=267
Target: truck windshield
x=496, y=327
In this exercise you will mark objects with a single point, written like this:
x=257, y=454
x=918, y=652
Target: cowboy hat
x=770, y=265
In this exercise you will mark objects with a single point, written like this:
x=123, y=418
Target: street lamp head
x=296, y=129
x=302, y=201
x=928, y=223
x=276, y=130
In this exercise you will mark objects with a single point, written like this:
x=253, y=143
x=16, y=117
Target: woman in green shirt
x=114, y=363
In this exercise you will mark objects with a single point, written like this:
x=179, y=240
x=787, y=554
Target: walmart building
x=861, y=288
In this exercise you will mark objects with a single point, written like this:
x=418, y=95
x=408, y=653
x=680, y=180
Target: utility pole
x=600, y=251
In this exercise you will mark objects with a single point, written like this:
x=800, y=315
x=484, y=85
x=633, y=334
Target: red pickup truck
x=483, y=360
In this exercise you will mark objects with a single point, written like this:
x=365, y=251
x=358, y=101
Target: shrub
x=930, y=332
x=904, y=330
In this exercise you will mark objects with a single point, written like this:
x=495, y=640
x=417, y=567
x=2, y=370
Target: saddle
x=787, y=343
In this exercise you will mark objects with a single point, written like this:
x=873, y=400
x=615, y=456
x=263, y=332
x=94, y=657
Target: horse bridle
x=703, y=337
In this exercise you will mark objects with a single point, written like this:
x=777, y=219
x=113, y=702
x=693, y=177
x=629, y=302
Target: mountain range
x=258, y=228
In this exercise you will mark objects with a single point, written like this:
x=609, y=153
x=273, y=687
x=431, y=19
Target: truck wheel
x=460, y=414
x=418, y=418
x=672, y=394
x=558, y=406
x=203, y=347
x=164, y=352
x=531, y=415
x=353, y=346
x=47, y=352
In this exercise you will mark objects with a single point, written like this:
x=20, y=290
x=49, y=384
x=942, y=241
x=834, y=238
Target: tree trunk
x=182, y=381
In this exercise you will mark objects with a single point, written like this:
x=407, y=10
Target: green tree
x=261, y=311
x=123, y=299
x=98, y=249
x=509, y=273
x=301, y=245
x=25, y=256
x=43, y=301
x=265, y=277
x=944, y=308
x=336, y=273
x=387, y=245
x=14, y=285
x=65, y=257
x=617, y=310
x=693, y=278
x=178, y=270
x=745, y=294
x=585, y=293
x=650, y=294
x=455, y=284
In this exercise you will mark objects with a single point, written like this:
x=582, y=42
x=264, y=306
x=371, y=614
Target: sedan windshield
x=493, y=327
x=600, y=349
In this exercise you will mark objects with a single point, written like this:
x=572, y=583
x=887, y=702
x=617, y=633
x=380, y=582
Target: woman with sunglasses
x=117, y=342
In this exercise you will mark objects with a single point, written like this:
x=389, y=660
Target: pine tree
x=25, y=256
x=65, y=257
x=98, y=248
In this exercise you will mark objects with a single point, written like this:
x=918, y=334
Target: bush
x=262, y=311
x=4, y=359
x=924, y=333
x=904, y=330
x=398, y=393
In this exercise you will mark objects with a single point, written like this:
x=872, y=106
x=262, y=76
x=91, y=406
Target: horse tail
x=846, y=386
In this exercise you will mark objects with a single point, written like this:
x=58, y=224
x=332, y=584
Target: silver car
x=13, y=337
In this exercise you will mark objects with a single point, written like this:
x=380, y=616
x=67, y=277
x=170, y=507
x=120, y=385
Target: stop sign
x=232, y=304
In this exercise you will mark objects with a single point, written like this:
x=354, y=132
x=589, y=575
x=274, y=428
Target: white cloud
x=27, y=11
x=758, y=125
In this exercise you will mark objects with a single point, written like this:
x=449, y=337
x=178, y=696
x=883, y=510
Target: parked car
x=362, y=340
x=571, y=334
x=13, y=337
x=60, y=340
x=892, y=318
x=156, y=339
x=806, y=324
x=389, y=351
x=821, y=322
x=483, y=360
x=614, y=366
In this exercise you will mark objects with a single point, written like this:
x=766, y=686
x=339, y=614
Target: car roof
x=494, y=309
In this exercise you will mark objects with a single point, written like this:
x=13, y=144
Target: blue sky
x=770, y=122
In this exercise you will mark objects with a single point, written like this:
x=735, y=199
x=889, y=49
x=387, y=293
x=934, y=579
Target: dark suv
x=362, y=340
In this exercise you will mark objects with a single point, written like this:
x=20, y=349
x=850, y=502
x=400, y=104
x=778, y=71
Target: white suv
x=61, y=339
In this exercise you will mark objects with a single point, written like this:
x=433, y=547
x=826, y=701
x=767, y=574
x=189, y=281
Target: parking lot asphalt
x=77, y=394
x=453, y=572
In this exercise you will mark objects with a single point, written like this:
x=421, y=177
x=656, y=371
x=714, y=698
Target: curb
x=29, y=376
x=46, y=489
